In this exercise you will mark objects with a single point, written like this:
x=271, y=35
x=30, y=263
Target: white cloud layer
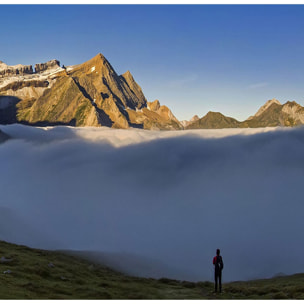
x=173, y=197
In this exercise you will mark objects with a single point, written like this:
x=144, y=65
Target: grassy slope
x=31, y=277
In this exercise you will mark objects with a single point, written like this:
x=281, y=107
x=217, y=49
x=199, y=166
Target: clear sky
x=195, y=58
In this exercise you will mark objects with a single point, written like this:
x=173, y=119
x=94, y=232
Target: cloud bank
x=173, y=197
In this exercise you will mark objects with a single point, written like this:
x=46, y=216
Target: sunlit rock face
x=41, y=67
x=88, y=94
x=16, y=70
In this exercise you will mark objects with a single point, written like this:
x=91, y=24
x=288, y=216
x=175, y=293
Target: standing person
x=218, y=266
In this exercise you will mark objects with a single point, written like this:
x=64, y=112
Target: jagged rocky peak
x=14, y=70
x=267, y=105
x=128, y=76
x=41, y=67
x=2, y=65
x=194, y=118
x=124, y=91
x=294, y=109
x=272, y=101
x=153, y=106
x=96, y=64
x=186, y=123
x=292, y=104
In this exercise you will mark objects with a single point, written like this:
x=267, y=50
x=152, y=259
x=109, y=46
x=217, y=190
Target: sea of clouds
x=166, y=198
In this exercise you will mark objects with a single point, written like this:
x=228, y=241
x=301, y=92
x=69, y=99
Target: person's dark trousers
x=218, y=280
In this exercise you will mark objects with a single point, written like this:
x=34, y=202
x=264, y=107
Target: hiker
x=218, y=266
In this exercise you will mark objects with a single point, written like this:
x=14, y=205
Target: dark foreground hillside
x=27, y=273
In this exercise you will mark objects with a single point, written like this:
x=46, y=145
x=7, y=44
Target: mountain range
x=271, y=114
x=93, y=94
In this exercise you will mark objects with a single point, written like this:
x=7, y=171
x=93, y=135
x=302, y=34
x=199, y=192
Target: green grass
x=31, y=277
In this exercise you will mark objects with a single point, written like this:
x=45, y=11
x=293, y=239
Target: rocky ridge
x=214, y=120
x=88, y=94
x=6, y=70
x=41, y=67
x=93, y=94
x=266, y=106
x=271, y=114
x=275, y=114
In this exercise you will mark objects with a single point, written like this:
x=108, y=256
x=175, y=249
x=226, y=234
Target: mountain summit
x=214, y=120
x=265, y=107
x=273, y=114
x=88, y=94
x=93, y=94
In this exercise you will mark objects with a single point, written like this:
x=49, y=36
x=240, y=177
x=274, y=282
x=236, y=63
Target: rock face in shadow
x=88, y=94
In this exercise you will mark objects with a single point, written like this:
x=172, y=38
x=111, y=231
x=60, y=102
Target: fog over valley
x=168, y=198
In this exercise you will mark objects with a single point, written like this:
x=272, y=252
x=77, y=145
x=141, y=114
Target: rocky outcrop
x=16, y=70
x=265, y=107
x=186, y=123
x=15, y=86
x=294, y=111
x=25, y=70
x=154, y=117
x=41, y=67
x=154, y=106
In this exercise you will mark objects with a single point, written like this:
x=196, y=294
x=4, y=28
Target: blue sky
x=195, y=58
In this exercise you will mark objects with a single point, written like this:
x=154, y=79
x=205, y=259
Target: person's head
x=218, y=252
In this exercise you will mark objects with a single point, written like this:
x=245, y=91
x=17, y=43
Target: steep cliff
x=16, y=70
x=88, y=94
